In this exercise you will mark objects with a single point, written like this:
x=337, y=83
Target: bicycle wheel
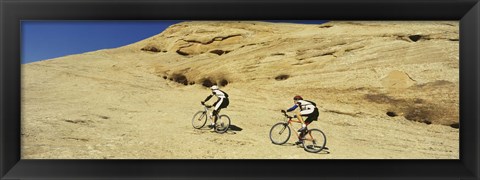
x=222, y=124
x=199, y=119
x=314, y=141
x=280, y=133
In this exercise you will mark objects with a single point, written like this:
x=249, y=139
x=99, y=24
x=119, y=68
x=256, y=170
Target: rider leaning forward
x=222, y=102
x=308, y=109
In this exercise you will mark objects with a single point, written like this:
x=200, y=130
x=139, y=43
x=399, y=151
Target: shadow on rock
x=235, y=128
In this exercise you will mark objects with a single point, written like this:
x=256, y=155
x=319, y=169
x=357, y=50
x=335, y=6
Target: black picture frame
x=14, y=11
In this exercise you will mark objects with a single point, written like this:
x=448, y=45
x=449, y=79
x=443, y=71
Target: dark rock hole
x=328, y=54
x=326, y=26
x=218, y=52
x=179, y=78
x=182, y=53
x=151, y=49
x=278, y=54
x=223, y=82
x=415, y=38
x=391, y=114
x=282, y=77
x=207, y=83
x=455, y=125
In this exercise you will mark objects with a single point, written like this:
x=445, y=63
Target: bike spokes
x=282, y=130
x=222, y=124
x=314, y=141
x=280, y=133
x=199, y=119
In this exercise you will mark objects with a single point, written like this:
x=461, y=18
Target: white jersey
x=219, y=93
x=305, y=107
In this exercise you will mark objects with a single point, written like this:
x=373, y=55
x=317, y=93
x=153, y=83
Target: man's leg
x=299, y=116
x=301, y=130
x=216, y=107
x=311, y=117
x=219, y=106
x=215, y=114
x=307, y=122
x=308, y=113
x=304, y=126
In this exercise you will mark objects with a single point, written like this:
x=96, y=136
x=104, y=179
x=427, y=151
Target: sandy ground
x=110, y=105
x=152, y=122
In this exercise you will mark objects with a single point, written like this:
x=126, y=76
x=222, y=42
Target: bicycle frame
x=221, y=126
x=313, y=140
x=289, y=122
x=206, y=110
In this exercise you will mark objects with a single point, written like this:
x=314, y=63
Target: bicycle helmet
x=214, y=87
x=297, y=97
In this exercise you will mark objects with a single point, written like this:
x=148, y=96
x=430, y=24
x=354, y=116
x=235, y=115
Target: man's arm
x=292, y=108
x=208, y=98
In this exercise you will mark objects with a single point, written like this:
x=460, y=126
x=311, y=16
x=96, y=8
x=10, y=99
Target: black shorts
x=312, y=117
x=224, y=104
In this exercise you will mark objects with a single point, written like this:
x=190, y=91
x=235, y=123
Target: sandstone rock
x=397, y=80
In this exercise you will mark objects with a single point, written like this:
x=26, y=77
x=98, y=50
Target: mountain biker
x=308, y=109
x=222, y=102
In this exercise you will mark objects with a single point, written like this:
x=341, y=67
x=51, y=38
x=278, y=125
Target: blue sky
x=41, y=40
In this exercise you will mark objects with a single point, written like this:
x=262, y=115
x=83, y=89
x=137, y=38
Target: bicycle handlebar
x=203, y=104
x=286, y=115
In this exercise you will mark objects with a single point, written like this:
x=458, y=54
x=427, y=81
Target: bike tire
x=222, y=124
x=199, y=119
x=277, y=131
x=314, y=141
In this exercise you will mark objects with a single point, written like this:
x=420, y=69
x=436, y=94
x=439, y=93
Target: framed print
x=403, y=111
x=239, y=89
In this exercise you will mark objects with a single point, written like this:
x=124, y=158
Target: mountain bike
x=200, y=119
x=313, y=140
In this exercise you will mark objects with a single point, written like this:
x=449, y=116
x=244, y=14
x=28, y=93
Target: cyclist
x=222, y=102
x=308, y=109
